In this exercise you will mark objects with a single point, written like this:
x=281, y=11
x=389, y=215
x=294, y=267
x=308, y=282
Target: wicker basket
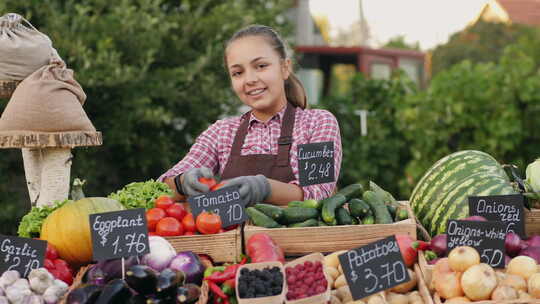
x=7, y=87
x=221, y=247
x=305, y=240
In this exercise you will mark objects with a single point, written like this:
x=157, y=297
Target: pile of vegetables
x=221, y=282
x=168, y=218
x=140, y=194
x=40, y=287
x=461, y=278
x=349, y=206
x=161, y=275
x=401, y=294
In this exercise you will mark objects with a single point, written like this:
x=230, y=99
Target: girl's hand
x=253, y=188
x=190, y=181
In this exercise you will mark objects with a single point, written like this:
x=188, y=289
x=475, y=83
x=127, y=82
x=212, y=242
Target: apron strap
x=285, y=140
x=240, y=135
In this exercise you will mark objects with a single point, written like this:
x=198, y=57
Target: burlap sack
x=23, y=49
x=49, y=100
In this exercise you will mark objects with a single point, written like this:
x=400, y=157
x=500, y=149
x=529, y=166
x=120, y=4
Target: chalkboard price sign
x=374, y=267
x=316, y=163
x=503, y=208
x=226, y=202
x=486, y=237
x=21, y=254
x=119, y=234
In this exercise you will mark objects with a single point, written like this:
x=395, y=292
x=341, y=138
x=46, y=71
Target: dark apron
x=276, y=167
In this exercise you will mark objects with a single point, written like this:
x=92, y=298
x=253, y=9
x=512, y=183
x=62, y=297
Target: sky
x=429, y=22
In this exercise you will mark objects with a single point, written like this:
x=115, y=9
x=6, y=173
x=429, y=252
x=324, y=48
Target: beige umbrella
x=45, y=119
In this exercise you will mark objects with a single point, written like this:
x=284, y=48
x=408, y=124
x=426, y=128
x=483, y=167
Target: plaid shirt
x=213, y=147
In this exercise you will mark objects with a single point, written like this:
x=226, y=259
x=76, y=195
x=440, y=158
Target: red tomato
x=150, y=233
x=231, y=227
x=177, y=211
x=50, y=252
x=217, y=186
x=169, y=226
x=210, y=182
x=153, y=216
x=208, y=223
x=164, y=202
x=189, y=223
x=189, y=233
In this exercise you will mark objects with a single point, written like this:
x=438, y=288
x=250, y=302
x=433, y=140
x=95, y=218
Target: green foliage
x=483, y=42
x=140, y=194
x=381, y=155
x=30, y=225
x=153, y=73
x=399, y=42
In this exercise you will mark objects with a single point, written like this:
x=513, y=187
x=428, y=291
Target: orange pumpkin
x=68, y=228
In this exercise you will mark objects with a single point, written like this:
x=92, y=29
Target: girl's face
x=258, y=75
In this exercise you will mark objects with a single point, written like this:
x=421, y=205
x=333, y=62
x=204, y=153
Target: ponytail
x=295, y=92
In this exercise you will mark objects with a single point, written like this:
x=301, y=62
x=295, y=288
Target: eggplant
x=142, y=279
x=168, y=281
x=160, y=300
x=137, y=299
x=105, y=271
x=115, y=292
x=85, y=294
x=188, y=294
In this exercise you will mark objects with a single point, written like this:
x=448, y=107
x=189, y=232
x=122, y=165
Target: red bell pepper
x=262, y=248
x=410, y=255
x=229, y=287
x=421, y=245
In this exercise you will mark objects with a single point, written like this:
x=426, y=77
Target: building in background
x=525, y=12
x=317, y=58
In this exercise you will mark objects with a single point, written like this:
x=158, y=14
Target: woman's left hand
x=253, y=188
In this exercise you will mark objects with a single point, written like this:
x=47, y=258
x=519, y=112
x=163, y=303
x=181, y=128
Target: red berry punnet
x=305, y=280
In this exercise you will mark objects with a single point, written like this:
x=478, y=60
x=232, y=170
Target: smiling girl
x=258, y=150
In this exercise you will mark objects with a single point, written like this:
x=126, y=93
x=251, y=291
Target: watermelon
x=442, y=193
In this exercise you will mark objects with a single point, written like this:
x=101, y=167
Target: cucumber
x=292, y=215
x=392, y=210
x=385, y=195
x=311, y=203
x=401, y=214
x=351, y=191
x=355, y=221
x=329, y=206
x=307, y=223
x=358, y=208
x=321, y=223
x=272, y=211
x=368, y=220
x=382, y=216
x=343, y=217
x=260, y=219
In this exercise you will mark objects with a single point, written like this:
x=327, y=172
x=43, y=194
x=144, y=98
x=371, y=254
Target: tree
x=153, y=73
x=399, y=42
x=482, y=42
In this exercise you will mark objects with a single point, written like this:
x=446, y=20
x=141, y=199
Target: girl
x=258, y=150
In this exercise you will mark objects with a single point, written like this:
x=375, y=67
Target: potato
x=504, y=292
x=534, y=285
x=522, y=295
x=407, y=286
x=415, y=298
x=332, y=259
x=376, y=299
x=463, y=257
x=340, y=269
x=457, y=300
x=396, y=298
x=514, y=281
x=340, y=281
x=522, y=266
x=344, y=294
x=478, y=282
x=331, y=271
x=335, y=300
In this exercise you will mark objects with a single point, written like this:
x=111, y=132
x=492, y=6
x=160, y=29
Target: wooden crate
x=532, y=222
x=305, y=240
x=221, y=247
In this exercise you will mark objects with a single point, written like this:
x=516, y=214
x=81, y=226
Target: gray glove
x=253, y=188
x=191, y=185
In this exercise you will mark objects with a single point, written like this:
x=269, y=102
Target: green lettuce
x=30, y=225
x=141, y=194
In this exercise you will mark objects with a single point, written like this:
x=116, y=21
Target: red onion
x=438, y=245
x=533, y=252
x=534, y=241
x=512, y=244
